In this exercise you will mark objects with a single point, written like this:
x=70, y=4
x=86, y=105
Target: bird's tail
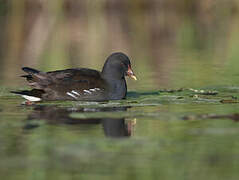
x=32, y=95
x=35, y=78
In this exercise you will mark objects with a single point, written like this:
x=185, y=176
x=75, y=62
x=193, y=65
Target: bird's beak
x=131, y=74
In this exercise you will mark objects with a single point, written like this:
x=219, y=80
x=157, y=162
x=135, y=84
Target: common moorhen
x=80, y=84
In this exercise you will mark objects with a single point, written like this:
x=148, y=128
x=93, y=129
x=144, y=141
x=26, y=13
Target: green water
x=143, y=137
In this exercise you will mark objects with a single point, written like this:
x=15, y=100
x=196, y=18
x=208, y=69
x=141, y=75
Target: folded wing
x=68, y=84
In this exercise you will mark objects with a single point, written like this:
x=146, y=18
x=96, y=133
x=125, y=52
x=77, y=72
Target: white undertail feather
x=31, y=98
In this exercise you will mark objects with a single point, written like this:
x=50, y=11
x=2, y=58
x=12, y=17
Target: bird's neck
x=110, y=73
x=117, y=88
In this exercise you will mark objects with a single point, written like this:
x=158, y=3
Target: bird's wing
x=66, y=84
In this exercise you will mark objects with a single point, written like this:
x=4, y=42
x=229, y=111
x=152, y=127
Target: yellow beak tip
x=134, y=77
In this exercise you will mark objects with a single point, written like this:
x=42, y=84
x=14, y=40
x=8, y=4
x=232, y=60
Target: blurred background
x=171, y=43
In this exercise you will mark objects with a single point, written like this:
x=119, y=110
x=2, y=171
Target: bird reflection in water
x=113, y=127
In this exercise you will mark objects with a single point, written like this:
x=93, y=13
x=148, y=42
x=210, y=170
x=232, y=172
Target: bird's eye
x=123, y=64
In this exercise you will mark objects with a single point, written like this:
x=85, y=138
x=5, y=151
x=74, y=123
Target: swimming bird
x=80, y=84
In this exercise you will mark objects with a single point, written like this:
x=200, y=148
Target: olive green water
x=151, y=135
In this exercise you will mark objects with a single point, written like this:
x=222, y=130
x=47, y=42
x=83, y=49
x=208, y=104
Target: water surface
x=151, y=135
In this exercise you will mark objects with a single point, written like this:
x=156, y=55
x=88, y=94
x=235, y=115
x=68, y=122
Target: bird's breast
x=117, y=89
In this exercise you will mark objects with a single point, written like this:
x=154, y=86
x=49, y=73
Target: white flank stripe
x=92, y=90
x=31, y=98
x=97, y=89
x=76, y=93
x=72, y=95
x=87, y=91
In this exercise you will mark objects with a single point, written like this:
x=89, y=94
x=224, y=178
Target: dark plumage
x=80, y=83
